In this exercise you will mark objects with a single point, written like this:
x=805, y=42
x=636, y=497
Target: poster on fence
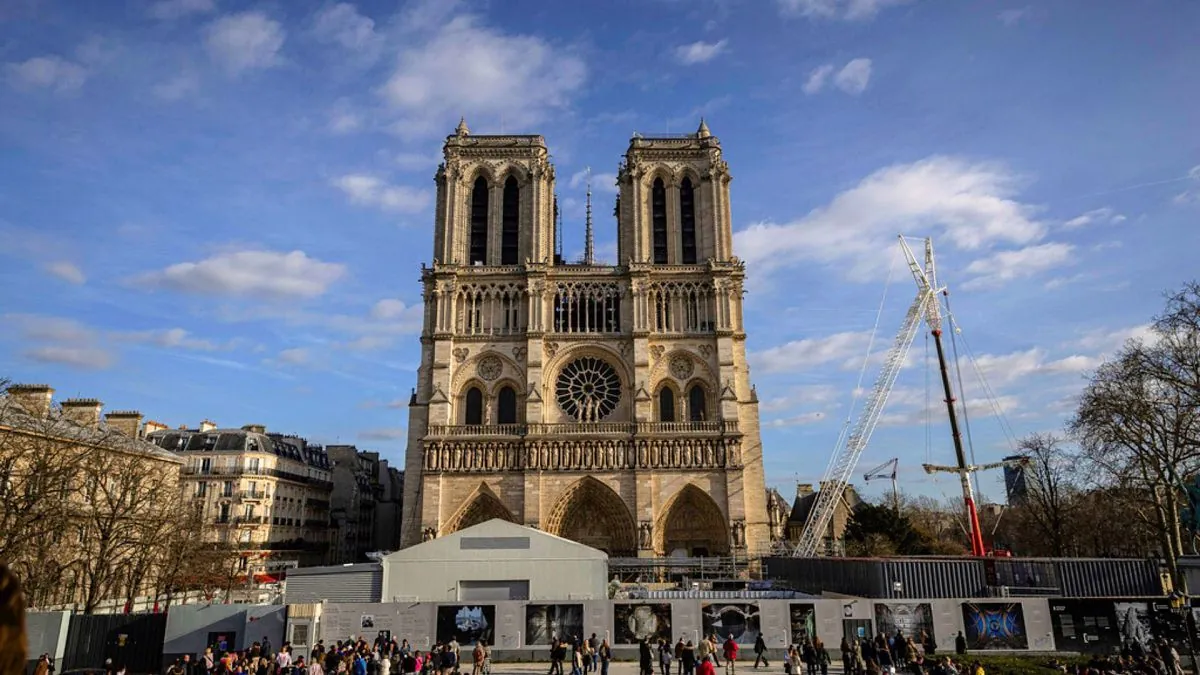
x=994, y=625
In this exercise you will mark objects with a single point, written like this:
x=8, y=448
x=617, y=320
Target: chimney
x=803, y=490
x=255, y=428
x=152, y=426
x=32, y=398
x=83, y=411
x=207, y=425
x=127, y=422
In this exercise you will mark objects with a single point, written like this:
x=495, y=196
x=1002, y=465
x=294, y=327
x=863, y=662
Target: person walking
x=645, y=659
x=604, y=654
x=688, y=658
x=666, y=654
x=760, y=652
x=730, y=651
x=679, y=654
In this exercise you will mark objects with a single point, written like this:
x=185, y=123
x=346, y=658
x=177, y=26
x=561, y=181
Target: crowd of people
x=881, y=655
x=384, y=656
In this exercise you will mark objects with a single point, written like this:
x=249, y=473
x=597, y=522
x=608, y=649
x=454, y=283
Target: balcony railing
x=316, y=503
x=222, y=520
x=251, y=494
x=251, y=520
x=586, y=428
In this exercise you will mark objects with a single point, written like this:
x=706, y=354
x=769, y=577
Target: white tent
x=495, y=560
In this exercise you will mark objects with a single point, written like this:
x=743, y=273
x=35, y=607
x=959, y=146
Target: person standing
x=679, y=654
x=730, y=652
x=960, y=644
x=645, y=659
x=688, y=658
x=604, y=654
x=760, y=652
x=665, y=654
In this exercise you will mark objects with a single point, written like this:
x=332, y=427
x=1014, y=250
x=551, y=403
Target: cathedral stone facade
x=608, y=404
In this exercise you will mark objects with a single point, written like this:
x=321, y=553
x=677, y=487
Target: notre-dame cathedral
x=608, y=404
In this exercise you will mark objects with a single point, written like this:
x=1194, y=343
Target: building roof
x=334, y=569
x=497, y=539
x=240, y=440
x=56, y=425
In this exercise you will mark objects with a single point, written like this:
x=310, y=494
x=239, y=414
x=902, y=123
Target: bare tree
x=1138, y=421
x=1049, y=503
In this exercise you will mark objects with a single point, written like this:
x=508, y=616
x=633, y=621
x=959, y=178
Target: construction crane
x=887, y=470
x=846, y=456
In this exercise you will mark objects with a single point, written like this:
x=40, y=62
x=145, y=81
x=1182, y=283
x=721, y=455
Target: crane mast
x=925, y=307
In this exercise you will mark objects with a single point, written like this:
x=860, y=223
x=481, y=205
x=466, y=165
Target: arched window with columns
x=666, y=405
x=474, y=406
x=506, y=406
x=658, y=220
x=510, y=222
x=687, y=222
x=479, y=221
x=697, y=405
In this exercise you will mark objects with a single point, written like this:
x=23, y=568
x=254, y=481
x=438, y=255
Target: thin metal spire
x=589, y=245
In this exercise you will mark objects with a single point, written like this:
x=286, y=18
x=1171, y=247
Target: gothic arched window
x=697, y=409
x=666, y=405
x=506, y=406
x=474, y=411
x=479, y=221
x=509, y=228
x=687, y=221
x=658, y=220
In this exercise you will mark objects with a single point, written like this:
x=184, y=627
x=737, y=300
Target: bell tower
x=495, y=200
x=673, y=207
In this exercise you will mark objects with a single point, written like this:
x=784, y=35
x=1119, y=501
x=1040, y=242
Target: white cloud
x=465, y=68
x=700, y=52
x=1003, y=369
x=390, y=309
x=1011, y=17
x=797, y=420
x=849, y=10
x=296, y=356
x=965, y=204
x=854, y=76
x=1106, y=341
x=799, y=355
x=1005, y=266
x=48, y=72
x=181, y=86
x=245, y=41
x=341, y=24
x=367, y=190
x=1191, y=194
x=67, y=271
x=177, y=338
x=416, y=161
x=60, y=341
x=267, y=274
x=601, y=182
x=384, y=434
x=167, y=10
x=86, y=358
x=816, y=79
x=1100, y=216
x=344, y=121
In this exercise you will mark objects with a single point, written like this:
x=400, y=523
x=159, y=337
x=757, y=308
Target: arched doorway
x=483, y=505
x=691, y=525
x=591, y=513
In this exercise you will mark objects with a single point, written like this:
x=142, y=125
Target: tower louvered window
x=687, y=221
x=479, y=222
x=658, y=211
x=509, y=227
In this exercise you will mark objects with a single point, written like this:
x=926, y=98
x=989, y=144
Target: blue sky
x=219, y=209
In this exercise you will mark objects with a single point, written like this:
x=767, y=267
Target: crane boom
x=838, y=476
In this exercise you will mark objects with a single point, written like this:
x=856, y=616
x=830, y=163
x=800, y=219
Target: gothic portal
x=609, y=404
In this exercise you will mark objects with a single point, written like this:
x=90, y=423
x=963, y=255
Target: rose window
x=588, y=389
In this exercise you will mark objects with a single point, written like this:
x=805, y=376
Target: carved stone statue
x=428, y=534
x=645, y=532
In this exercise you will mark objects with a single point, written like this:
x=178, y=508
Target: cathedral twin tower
x=608, y=404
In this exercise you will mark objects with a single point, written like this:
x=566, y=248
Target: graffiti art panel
x=995, y=625
x=739, y=621
x=633, y=623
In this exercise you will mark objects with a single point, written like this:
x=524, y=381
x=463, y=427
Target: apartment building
x=366, y=503
x=266, y=493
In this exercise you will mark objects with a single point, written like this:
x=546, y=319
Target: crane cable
x=862, y=373
x=990, y=393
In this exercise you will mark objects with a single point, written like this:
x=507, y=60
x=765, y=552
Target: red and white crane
x=926, y=306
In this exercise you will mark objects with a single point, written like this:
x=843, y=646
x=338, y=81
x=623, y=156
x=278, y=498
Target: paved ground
x=631, y=668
